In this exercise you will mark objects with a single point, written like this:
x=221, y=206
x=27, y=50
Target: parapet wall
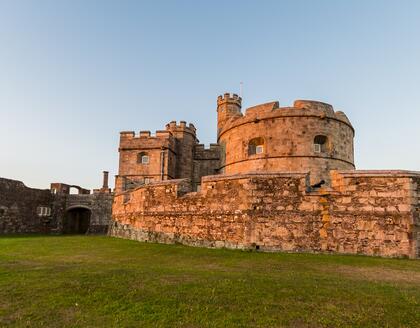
x=145, y=140
x=363, y=213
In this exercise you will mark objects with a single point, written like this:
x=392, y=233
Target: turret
x=185, y=136
x=228, y=106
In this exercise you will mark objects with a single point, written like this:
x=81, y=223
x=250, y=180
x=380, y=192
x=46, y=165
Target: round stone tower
x=308, y=137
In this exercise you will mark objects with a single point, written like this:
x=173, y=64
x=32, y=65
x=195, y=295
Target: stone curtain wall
x=19, y=204
x=364, y=213
x=374, y=213
x=228, y=212
x=18, y=208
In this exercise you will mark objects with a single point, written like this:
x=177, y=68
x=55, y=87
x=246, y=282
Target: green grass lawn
x=80, y=281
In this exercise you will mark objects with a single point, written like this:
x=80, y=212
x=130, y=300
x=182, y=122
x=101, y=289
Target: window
x=320, y=144
x=43, y=211
x=147, y=180
x=256, y=146
x=143, y=158
x=259, y=149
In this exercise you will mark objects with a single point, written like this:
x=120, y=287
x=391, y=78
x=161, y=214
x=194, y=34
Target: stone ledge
x=378, y=173
x=220, y=177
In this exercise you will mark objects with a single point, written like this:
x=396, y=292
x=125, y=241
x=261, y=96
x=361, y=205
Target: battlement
x=146, y=140
x=127, y=134
x=229, y=98
x=312, y=104
x=300, y=108
x=145, y=134
x=182, y=126
x=202, y=147
x=263, y=108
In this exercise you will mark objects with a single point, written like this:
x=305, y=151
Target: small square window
x=317, y=148
x=256, y=146
x=145, y=159
x=44, y=211
x=259, y=149
x=146, y=180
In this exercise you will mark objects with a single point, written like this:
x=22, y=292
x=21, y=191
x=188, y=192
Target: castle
x=308, y=137
x=278, y=179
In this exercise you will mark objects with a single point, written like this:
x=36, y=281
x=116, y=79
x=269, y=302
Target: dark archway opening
x=76, y=221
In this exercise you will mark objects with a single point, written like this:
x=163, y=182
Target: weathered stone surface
x=20, y=207
x=268, y=193
x=235, y=211
x=287, y=135
x=258, y=202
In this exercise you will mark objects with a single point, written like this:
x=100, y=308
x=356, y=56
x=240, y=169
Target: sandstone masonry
x=279, y=179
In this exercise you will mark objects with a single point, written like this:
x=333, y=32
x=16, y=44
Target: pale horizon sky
x=73, y=74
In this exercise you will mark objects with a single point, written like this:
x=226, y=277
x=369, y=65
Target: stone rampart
x=373, y=213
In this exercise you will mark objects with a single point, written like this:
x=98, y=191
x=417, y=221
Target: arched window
x=143, y=158
x=320, y=144
x=256, y=146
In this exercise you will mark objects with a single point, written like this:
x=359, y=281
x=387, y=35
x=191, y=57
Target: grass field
x=80, y=281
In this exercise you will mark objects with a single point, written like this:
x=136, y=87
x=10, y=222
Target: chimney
x=105, y=180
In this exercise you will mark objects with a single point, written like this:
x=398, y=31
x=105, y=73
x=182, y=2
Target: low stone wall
x=363, y=213
x=18, y=208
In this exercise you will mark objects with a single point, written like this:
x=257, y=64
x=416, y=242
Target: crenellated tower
x=228, y=106
x=145, y=158
x=185, y=137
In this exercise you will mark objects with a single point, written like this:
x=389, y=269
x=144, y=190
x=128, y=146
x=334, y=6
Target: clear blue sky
x=75, y=73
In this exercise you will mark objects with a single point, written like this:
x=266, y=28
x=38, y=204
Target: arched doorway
x=77, y=220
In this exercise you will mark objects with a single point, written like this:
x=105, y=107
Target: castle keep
x=173, y=153
x=278, y=179
x=308, y=137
